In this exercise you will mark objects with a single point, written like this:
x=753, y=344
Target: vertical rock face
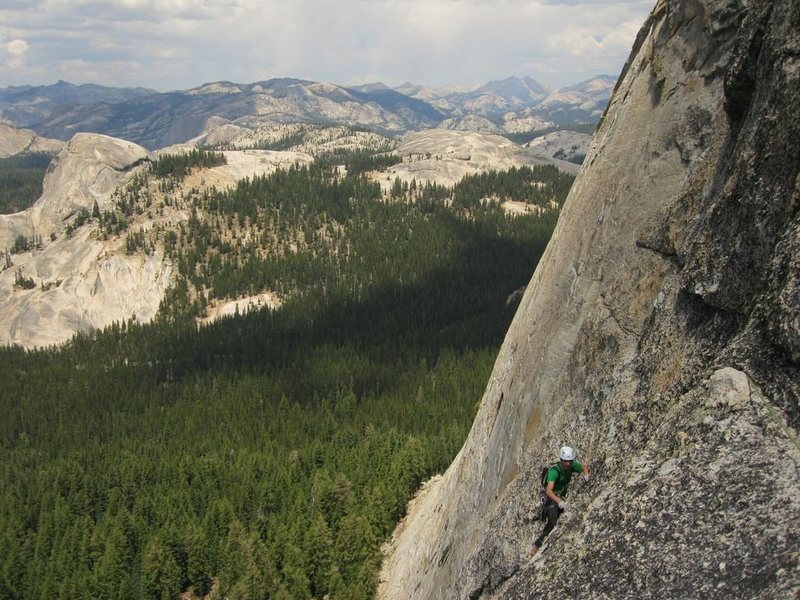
x=660, y=336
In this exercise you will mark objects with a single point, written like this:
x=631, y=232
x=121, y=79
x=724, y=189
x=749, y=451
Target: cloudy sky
x=179, y=44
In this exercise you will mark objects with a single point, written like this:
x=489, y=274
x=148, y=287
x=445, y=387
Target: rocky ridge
x=20, y=141
x=86, y=171
x=87, y=280
x=83, y=281
x=444, y=157
x=156, y=120
x=660, y=335
x=300, y=137
x=27, y=105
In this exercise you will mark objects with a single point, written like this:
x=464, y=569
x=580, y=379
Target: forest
x=267, y=454
x=179, y=165
x=21, y=178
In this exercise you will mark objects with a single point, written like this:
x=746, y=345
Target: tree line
x=179, y=165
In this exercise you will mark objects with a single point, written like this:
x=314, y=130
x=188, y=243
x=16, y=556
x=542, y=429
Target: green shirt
x=561, y=477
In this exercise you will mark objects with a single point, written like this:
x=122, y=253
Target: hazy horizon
x=204, y=83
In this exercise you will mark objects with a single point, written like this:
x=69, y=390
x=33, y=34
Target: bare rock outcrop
x=80, y=282
x=86, y=280
x=660, y=335
x=87, y=170
x=17, y=141
x=445, y=157
x=218, y=132
x=563, y=144
x=79, y=286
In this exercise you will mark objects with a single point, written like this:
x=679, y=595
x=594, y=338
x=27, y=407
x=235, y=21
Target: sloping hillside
x=659, y=336
x=93, y=250
x=518, y=107
x=81, y=275
x=158, y=120
x=267, y=454
x=16, y=141
x=28, y=105
x=444, y=157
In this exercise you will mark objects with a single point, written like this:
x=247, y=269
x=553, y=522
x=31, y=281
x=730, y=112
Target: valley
x=228, y=363
x=294, y=339
x=102, y=214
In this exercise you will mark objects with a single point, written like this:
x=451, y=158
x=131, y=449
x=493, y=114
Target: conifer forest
x=267, y=454
x=21, y=180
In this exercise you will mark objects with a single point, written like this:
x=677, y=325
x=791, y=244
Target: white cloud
x=182, y=43
x=14, y=53
x=586, y=42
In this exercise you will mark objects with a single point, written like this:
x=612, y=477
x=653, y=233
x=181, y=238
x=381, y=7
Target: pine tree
x=161, y=572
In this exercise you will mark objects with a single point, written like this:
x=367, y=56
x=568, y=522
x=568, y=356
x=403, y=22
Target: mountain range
x=659, y=336
x=155, y=119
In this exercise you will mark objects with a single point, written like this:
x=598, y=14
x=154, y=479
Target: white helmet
x=566, y=453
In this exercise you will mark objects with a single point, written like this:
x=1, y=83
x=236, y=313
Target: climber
x=558, y=478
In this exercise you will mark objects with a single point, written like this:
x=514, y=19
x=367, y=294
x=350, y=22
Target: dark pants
x=552, y=512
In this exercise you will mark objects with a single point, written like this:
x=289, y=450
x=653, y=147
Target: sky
x=180, y=44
